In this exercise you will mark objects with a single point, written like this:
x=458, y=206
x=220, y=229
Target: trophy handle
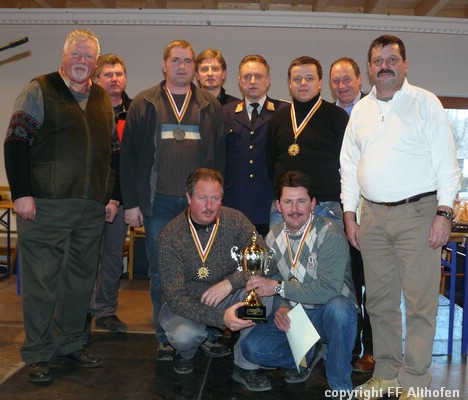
x=236, y=255
x=271, y=255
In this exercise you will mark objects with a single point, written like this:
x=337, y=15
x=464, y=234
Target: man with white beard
x=57, y=158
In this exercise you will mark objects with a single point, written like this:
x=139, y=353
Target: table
x=455, y=239
x=5, y=221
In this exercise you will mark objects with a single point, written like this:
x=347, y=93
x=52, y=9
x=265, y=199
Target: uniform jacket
x=248, y=187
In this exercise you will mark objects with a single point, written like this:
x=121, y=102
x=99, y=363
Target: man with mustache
x=312, y=256
x=399, y=155
x=171, y=129
x=201, y=284
x=58, y=158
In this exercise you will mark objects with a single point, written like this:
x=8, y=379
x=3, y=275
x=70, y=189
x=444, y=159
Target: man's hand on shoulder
x=25, y=207
x=233, y=322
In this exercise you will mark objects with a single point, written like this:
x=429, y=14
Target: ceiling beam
x=156, y=3
x=210, y=4
x=264, y=5
x=319, y=5
x=44, y=4
x=429, y=8
x=103, y=3
x=373, y=6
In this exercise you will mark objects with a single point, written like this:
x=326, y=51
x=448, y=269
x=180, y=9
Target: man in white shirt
x=399, y=155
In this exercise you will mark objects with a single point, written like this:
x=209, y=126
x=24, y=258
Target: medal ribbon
x=295, y=259
x=179, y=114
x=298, y=130
x=203, y=252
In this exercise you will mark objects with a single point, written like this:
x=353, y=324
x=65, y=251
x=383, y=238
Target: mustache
x=385, y=71
x=295, y=214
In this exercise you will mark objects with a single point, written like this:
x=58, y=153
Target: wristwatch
x=446, y=214
x=278, y=287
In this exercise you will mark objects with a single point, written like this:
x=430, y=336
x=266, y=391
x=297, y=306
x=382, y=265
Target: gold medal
x=203, y=272
x=293, y=279
x=293, y=150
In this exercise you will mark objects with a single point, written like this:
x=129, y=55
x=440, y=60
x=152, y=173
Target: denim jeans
x=335, y=322
x=329, y=209
x=165, y=208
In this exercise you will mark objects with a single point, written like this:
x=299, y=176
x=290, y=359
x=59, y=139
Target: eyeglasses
x=392, y=60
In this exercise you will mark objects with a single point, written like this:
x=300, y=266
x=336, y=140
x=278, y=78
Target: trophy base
x=254, y=313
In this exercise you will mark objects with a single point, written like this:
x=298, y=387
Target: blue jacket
x=248, y=187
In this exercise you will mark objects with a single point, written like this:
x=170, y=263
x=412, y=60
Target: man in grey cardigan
x=312, y=257
x=200, y=282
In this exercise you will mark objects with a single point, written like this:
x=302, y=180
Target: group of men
x=254, y=163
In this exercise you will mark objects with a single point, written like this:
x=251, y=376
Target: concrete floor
x=130, y=370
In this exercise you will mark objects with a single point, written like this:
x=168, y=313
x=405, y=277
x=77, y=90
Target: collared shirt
x=350, y=106
x=250, y=108
x=397, y=149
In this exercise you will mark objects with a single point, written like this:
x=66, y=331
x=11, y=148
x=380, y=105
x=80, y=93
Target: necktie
x=254, y=114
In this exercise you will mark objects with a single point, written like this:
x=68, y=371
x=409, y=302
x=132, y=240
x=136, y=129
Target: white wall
x=437, y=49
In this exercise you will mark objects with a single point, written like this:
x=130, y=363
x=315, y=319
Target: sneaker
x=215, y=349
x=165, y=352
x=182, y=365
x=252, y=379
x=407, y=395
x=112, y=324
x=375, y=388
x=292, y=376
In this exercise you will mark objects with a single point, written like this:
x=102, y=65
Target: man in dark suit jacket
x=248, y=187
x=346, y=81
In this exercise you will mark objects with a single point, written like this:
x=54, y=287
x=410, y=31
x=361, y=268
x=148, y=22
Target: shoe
x=79, y=359
x=365, y=364
x=215, y=349
x=252, y=379
x=112, y=324
x=39, y=373
x=407, y=395
x=375, y=388
x=292, y=376
x=165, y=352
x=182, y=365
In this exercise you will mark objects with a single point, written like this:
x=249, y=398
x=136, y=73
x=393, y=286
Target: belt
x=411, y=199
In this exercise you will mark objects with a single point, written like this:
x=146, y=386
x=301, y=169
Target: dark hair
x=348, y=60
x=305, y=60
x=385, y=40
x=294, y=179
x=203, y=174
